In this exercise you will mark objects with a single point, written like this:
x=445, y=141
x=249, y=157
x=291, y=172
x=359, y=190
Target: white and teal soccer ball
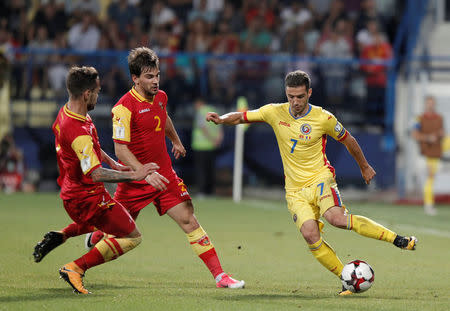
x=357, y=276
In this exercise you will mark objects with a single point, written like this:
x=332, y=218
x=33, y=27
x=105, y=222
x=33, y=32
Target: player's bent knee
x=190, y=226
x=336, y=217
x=311, y=239
x=136, y=241
x=130, y=243
x=338, y=221
x=134, y=234
x=310, y=231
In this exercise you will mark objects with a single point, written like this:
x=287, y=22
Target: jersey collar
x=139, y=97
x=74, y=115
x=303, y=115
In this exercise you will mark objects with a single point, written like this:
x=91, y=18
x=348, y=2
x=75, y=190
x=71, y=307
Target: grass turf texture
x=256, y=241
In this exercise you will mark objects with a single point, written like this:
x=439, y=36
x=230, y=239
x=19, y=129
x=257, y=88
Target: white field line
x=425, y=230
x=268, y=205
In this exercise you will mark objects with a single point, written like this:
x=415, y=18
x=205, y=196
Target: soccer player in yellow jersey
x=429, y=132
x=301, y=130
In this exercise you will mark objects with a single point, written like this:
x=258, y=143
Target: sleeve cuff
x=88, y=173
x=343, y=137
x=245, y=117
x=121, y=141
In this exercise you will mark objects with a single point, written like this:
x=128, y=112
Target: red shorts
x=102, y=212
x=136, y=196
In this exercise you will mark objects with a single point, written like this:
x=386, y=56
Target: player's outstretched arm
x=231, y=118
x=102, y=174
x=354, y=149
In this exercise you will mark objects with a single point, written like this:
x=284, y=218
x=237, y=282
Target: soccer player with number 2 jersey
x=301, y=130
x=140, y=127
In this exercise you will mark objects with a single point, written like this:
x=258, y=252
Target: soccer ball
x=357, y=276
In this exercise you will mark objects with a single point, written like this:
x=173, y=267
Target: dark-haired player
x=140, y=127
x=81, y=180
x=301, y=130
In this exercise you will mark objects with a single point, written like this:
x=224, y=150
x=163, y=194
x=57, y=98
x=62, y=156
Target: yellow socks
x=199, y=241
x=112, y=248
x=106, y=250
x=203, y=247
x=368, y=228
x=326, y=256
x=428, y=195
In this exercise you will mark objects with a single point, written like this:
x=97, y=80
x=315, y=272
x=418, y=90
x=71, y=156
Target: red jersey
x=78, y=153
x=376, y=74
x=140, y=124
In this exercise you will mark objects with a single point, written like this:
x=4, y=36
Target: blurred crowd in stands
x=292, y=30
x=323, y=28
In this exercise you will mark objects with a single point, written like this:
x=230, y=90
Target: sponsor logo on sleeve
x=120, y=132
x=339, y=129
x=86, y=161
x=120, y=129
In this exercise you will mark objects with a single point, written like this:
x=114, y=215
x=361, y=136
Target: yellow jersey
x=301, y=140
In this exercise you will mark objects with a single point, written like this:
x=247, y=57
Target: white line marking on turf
x=430, y=231
x=267, y=205
x=273, y=205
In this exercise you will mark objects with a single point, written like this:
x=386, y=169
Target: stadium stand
x=217, y=49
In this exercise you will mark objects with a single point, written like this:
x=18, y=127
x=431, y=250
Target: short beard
x=150, y=94
x=90, y=107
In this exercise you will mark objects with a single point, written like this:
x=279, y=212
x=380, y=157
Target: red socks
x=89, y=260
x=212, y=261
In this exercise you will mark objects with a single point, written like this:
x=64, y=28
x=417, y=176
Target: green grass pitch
x=256, y=241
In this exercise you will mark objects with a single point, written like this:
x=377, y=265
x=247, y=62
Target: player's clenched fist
x=213, y=117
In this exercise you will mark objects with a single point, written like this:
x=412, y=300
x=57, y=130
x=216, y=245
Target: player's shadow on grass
x=256, y=297
x=37, y=295
x=303, y=296
x=102, y=286
x=67, y=292
x=180, y=284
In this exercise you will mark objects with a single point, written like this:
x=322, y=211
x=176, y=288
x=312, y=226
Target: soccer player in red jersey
x=81, y=180
x=140, y=127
